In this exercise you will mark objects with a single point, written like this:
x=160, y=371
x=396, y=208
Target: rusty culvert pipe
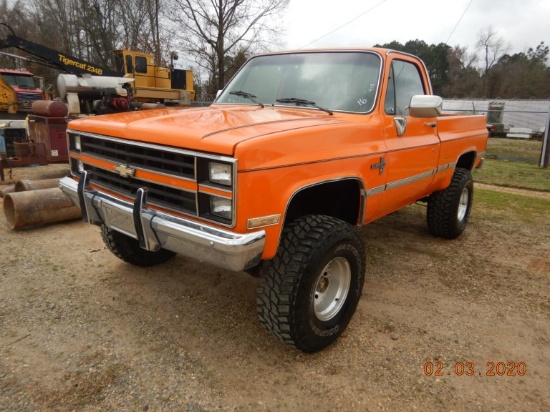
x=50, y=108
x=38, y=207
x=25, y=185
x=6, y=190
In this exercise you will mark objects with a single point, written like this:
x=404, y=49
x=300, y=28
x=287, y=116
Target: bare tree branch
x=492, y=47
x=214, y=29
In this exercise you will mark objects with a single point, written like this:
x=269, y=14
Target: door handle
x=430, y=124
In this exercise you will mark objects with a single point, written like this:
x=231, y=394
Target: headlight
x=220, y=173
x=221, y=207
x=77, y=145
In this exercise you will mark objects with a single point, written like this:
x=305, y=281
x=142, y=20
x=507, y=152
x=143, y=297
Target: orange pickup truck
x=278, y=175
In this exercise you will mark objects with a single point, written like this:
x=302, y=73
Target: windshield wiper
x=303, y=102
x=247, y=96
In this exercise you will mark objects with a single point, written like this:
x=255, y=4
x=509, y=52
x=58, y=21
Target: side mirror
x=425, y=106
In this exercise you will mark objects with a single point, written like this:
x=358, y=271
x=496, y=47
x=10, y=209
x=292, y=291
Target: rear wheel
x=449, y=209
x=309, y=291
x=126, y=248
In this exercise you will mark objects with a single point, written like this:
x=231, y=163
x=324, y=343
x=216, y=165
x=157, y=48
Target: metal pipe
x=24, y=185
x=38, y=207
x=6, y=190
x=50, y=108
x=544, y=151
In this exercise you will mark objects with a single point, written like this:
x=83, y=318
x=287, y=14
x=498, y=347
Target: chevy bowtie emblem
x=380, y=165
x=125, y=171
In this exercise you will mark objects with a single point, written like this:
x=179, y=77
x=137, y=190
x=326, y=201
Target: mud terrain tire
x=309, y=291
x=449, y=209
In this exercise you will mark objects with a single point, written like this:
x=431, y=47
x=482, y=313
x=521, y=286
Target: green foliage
x=512, y=174
x=502, y=206
x=453, y=71
x=521, y=75
x=434, y=56
x=527, y=150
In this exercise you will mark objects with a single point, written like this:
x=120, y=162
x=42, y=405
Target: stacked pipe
x=34, y=203
x=50, y=108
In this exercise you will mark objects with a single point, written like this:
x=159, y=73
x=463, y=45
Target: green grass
x=499, y=206
x=514, y=149
x=513, y=174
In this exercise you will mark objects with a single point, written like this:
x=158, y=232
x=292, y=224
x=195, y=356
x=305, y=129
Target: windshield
x=17, y=80
x=339, y=81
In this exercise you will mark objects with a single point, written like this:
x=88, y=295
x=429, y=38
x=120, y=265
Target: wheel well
x=466, y=160
x=340, y=199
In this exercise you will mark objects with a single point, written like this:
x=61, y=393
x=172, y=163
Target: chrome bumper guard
x=154, y=229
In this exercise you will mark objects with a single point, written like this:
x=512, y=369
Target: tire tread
x=281, y=276
x=441, y=215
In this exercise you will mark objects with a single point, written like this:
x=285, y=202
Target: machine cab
x=141, y=66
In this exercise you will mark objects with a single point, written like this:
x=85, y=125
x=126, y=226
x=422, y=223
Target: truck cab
x=153, y=82
x=24, y=84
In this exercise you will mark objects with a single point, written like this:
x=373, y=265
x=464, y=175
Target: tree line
x=489, y=73
x=217, y=36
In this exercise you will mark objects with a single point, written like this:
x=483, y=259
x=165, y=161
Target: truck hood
x=215, y=129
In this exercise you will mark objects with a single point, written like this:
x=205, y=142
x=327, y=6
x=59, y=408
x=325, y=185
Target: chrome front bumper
x=155, y=230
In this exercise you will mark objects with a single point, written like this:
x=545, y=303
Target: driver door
x=412, y=143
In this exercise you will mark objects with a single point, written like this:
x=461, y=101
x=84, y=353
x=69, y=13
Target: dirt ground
x=81, y=330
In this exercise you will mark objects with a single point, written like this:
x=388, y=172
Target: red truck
x=276, y=178
x=24, y=93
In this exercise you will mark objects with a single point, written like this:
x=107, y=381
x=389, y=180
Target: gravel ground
x=81, y=330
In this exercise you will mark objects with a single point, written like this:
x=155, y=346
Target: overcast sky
x=317, y=23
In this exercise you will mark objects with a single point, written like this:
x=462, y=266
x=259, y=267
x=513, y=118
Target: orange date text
x=440, y=368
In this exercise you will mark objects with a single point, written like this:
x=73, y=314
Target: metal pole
x=544, y=151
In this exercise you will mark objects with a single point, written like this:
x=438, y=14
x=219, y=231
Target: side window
x=9, y=79
x=129, y=65
x=404, y=83
x=141, y=64
x=119, y=63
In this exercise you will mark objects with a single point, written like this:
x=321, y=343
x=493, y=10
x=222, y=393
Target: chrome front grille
x=154, y=159
x=160, y=195
x=29, y=97
x=25, y=100
x=175, y=179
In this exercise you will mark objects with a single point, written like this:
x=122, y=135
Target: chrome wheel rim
x=332, y=288
x=463, y=204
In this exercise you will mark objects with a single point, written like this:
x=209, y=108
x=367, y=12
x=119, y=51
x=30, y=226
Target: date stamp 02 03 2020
x=439, y=368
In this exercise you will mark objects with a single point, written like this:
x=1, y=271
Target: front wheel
x=449, y=209
x=126, y=248
x=309, y=291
